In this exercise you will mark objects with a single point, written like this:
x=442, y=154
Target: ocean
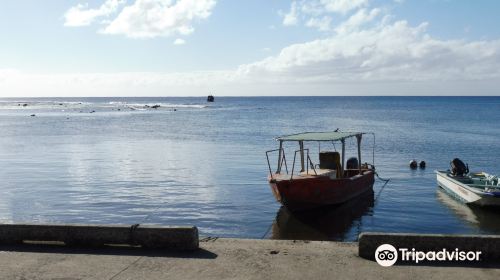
x=189, y=162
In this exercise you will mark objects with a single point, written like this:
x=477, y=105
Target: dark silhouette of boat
x=326, y=223
x=210, y=98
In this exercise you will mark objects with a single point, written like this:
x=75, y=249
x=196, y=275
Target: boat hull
x=465, y=193
x=319, y=191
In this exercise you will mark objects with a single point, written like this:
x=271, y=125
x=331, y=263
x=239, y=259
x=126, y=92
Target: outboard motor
x=458, y=167
x=352, y=163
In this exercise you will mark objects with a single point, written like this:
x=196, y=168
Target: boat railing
x=281, y=160
x=309, y=161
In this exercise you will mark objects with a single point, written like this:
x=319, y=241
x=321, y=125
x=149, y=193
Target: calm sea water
x=188, y=162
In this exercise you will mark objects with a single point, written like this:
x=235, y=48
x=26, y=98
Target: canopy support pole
x=301, y=144
x=280, y=155
x=343, y=159
x=358, y=137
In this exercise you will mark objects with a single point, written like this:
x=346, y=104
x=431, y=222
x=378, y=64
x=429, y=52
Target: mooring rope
x=381, y=189
x=382, y=179
x=267, y=231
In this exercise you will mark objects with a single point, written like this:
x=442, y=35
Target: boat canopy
x=319, y=136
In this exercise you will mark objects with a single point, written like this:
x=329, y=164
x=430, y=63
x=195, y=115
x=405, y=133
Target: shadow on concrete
x=108, y=250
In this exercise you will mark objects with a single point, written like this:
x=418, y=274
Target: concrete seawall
x=179, y=238
x=219, y=258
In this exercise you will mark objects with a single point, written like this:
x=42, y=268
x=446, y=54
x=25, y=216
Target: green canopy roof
x=318, y=136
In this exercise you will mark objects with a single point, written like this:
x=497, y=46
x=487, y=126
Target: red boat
x=333, y=181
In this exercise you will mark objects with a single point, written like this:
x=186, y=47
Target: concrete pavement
x=219, y=259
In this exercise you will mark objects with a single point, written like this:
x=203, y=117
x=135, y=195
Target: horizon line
x=235, y=96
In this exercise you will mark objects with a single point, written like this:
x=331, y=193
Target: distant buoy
x=413, y=164
x=422, y=164
x=210, y=98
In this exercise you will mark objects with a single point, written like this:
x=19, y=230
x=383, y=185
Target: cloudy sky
x=249, y=47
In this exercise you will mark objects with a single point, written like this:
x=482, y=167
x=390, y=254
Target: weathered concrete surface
x=181, y=238
x=219, y=259
x=489, y=245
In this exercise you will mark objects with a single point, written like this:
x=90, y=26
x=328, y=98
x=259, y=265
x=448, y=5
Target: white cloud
x=81, y=15
x=315, y=13
x=179, y=41
x=143, y=18
x=369, y=52
x=291, y=17
x=153, y=18
x=383, y=57
x=15, y=83
x=225, y=83
x=388, y=52
x=357, y=20
x=322, y=24
x=368, y=46
x=342, y=6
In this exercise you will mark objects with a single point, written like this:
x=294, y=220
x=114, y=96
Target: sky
x=249, y=47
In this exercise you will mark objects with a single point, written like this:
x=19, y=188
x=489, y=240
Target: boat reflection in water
x=331, y=223
x=485, y=219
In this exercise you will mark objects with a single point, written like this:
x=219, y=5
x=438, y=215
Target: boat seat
x=320, y=172
x=464, y=180
x=330, y=160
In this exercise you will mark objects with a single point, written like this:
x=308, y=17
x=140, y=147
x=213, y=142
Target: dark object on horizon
x=25, y=104
x=413, y=164
x=210, y=98
x=422, y=164
x=352, y=163
x=32, y=115
x=458, y=167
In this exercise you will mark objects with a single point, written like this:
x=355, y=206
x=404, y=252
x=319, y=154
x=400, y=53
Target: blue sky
x=257, y=47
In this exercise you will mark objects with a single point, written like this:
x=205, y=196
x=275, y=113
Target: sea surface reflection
x=478, y=218
x=189, y=162
x=327, y=223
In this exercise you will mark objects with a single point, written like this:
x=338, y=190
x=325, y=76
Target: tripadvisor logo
x=387, y=255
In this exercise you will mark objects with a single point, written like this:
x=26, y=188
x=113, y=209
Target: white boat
x=472, y=188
